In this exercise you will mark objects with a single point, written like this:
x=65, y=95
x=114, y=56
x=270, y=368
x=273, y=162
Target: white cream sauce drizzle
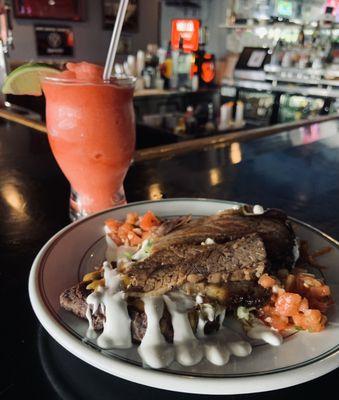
x=154, y=350
x=117, y=325
x=259, y=330
x=188, y=349
x=91, y=333
x=201, y=326
x=258, y=210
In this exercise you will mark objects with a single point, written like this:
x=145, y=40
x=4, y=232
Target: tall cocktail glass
x=91, y=131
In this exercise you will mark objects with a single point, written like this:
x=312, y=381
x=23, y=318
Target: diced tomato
x=132, y=218
x=288, y=304
x=114, y=236
x=113, y=224
x=275, y=320
x=148, y=221
x=311, y=320
x=304, y=305
x=267, y=281
x=268, y=309
x=133, y=238
x=124, y=230
x=279, y=322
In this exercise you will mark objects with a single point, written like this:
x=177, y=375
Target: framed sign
x=73, y=10
x=188, y=31
x=110, y=10
x=54, y=40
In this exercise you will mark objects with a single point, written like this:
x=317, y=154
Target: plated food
x=170, y=285
x=81, y=248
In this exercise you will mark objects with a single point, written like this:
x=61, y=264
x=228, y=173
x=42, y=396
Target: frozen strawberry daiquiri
x=91, y=131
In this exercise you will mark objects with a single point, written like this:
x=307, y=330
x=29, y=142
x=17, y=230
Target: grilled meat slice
x=171, y=267
x=272, y=227
x=240, y=294
x=169, y=225
x=74, y=300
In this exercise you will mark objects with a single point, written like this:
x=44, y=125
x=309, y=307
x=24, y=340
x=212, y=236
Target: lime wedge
x=26, y=79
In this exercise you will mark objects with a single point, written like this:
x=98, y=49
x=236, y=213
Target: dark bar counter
x=296, y=170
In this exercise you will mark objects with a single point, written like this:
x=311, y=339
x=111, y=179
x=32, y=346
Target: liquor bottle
x=316, y=35
x=208, y=69
x=301, y=37
x=190, y=121
x=277, y=53
x=167, y=68
x=204, y=62
x=182, y=66
x=180, y=128
x=151, y=64
x=210, y=125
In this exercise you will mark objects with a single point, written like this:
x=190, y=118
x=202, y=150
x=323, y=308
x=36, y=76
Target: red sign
x=188, y=30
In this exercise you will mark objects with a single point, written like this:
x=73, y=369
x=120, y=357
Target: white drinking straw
x=113, y=46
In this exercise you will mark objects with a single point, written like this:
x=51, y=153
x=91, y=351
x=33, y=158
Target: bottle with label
x=151, y=64
x=167, y=67
x=183, y=66
x=204, y=62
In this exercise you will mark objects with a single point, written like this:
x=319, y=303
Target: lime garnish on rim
x=26, y=79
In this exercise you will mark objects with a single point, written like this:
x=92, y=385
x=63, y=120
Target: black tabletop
x=297, y=171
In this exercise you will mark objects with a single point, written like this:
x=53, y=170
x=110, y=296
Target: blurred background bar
x=203, y=67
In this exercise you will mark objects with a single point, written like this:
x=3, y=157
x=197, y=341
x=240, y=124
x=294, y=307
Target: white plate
x=80, y=246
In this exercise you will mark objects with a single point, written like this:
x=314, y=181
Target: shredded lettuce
x=244, y=312
x=144, y=250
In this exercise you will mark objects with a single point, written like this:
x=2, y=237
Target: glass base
x=77, y=210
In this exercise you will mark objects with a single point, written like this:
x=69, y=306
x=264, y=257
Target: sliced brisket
x=173, y=266
x=272, y=227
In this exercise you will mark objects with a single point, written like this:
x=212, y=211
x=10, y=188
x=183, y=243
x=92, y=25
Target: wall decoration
x=73, y=10
x=110, y=10
x=54, y=40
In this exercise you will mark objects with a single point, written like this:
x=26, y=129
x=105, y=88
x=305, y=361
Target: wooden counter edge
x=11, y=116
x=188, y=145
x=239, y=136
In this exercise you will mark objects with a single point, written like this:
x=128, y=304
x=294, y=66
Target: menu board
x=50, y=9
